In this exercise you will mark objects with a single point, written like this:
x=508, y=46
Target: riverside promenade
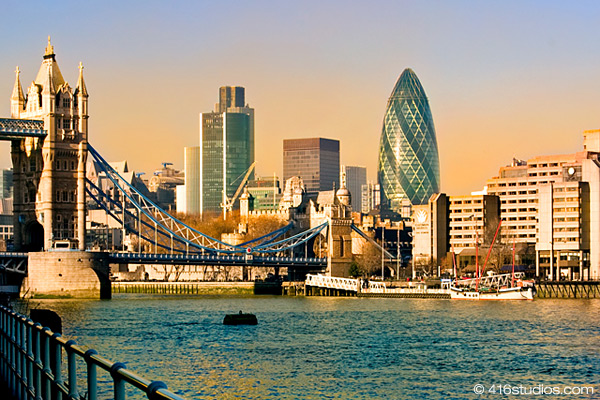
x=319, y=285
x=315, y=285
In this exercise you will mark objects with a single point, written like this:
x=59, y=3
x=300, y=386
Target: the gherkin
x=409, y=165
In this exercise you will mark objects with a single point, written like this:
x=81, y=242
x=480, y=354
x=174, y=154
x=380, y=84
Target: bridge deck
x=11, y=129
x=204, y=259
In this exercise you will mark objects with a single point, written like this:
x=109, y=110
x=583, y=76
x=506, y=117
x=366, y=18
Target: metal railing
x=490, y=280
x=332, y=282
x=31, y=364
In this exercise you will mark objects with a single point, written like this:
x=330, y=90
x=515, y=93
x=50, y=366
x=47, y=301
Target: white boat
x=512, y=293
x=493, y=287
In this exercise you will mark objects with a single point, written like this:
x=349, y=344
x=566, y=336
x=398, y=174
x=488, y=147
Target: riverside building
x=552, y=203
x=550, y=210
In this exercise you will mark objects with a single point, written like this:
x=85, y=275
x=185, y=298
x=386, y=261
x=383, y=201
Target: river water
x=345, y=348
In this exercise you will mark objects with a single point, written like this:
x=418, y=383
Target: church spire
x=17, y=93
x=81, y=89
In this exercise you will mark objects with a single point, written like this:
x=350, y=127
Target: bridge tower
x=49, y=173
x=339, y=249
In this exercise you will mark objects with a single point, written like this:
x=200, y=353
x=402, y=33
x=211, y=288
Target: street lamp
x=412, y=274
x=398, y=252
x=382, y=252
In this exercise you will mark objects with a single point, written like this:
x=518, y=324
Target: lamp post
x=412, y=243
x=552, y=258
x=382, y=252
x=398, y=252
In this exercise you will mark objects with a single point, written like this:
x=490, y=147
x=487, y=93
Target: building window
x=66, y=123
x=66, y=102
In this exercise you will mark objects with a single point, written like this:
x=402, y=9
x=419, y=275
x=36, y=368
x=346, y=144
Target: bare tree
x=369, y=262
x=263, y=225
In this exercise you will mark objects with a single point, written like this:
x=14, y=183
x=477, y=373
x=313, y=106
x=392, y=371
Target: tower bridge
x=48, y=131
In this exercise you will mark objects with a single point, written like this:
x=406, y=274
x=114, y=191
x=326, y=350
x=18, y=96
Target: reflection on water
x=342, y=348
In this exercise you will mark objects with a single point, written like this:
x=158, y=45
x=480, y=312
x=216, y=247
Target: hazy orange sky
x=504, y=79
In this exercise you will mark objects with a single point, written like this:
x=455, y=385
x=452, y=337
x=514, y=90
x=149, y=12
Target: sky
x=504, y=79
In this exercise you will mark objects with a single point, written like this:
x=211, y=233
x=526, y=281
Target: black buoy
x=47, y=318
x=240, y=319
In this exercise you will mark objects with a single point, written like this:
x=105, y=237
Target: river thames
x=345, y=348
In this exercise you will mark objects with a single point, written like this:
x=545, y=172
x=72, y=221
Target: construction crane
x=164, y=164
x=227, y=203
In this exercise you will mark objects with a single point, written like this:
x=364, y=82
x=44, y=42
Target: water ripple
x=341, y=348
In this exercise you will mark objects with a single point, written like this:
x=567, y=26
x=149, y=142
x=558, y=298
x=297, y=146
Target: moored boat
x=493, y=287
x=512, y=293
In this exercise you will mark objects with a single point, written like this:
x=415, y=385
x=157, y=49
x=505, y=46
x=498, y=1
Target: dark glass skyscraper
x=409, y=166
x=315, y=160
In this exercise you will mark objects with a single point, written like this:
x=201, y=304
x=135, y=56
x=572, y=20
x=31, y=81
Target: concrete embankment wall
x=185, y=288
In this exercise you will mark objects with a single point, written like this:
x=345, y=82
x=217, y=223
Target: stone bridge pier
x=68, y=273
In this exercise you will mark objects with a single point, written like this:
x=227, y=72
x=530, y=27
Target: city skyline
x=526, y=71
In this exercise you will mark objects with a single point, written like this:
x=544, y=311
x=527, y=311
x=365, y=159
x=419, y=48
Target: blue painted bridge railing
x=31, y=365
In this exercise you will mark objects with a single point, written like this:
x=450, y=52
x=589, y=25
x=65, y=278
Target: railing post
x=57, y=367
x=153, y=387
x=92, y=375
x=46, y=363
x=23, y=356
x=30, y=359
x=37, y=372
x=2, y=344
x=11, y=354
x=118, y=381
x=72, y=370
x=18, y=365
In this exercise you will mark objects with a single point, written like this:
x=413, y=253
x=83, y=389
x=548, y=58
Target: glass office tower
x=226, y=148
x=409, y=166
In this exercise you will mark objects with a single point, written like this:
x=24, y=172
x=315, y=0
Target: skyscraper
x=226, y=148
x=6, y=184
x=315, y=160
x=188, y=195
x=408, y=154
x=370, y=197
x=353, y=178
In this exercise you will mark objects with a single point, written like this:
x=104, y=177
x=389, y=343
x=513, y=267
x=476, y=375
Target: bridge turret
x=81, y=97
x=17, y=100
